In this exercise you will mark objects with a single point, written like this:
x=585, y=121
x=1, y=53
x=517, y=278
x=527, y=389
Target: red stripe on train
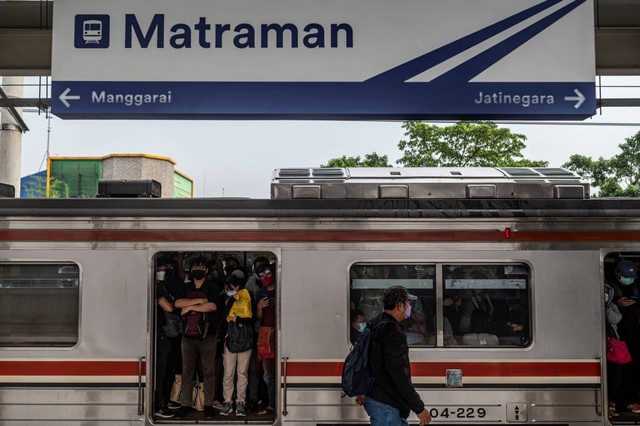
x=308, y=368
x=70, y=368
x=479, y=369
x=320, y=236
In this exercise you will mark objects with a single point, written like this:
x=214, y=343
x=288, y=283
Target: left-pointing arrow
x=64, y=97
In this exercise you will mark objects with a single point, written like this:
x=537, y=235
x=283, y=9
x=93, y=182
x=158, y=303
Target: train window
x=39, y=304
x=482, y=305
x=368, y=282
x=486, y=305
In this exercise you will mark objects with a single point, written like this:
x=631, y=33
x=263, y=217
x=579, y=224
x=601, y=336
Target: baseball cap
x=627, y=269
x=396, y=294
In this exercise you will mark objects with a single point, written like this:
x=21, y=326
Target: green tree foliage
x=464, y=144
x=370, y=160
x=58, y=189
x=618, y=176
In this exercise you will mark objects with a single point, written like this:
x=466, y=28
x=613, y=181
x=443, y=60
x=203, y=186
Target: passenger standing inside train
x=392, y=397
x=238, y=342
x=266, y=313
x=615, y=375
x=370, y=301
x=358, y=324
x=254, y=286
x=626, y=297
x=478, y=298
x=230, y=265
x=167, y=335
x=199, y=296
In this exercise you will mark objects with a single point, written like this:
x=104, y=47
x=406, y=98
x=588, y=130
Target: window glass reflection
x=368, y=282
x=487, y=305
x=482, y=305
x=39, y=304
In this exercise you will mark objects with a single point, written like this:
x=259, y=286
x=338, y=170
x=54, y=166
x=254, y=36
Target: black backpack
x=195, y=324
x=356, y=379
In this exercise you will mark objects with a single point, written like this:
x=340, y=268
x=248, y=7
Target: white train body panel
x=106, y=377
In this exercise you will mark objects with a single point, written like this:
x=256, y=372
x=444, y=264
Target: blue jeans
x=383, y=414
x=270, y=380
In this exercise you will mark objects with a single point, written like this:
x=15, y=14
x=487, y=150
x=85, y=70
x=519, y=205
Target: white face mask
x=232, y=293
x=407, y=313
x=160, y=276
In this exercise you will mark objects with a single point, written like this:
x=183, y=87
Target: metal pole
x=11, y=136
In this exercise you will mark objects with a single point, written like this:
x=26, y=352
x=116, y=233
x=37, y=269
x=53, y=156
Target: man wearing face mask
x=255, y=288
x=626, y=298
x=199, y=296
x=358, y=325
x=392, y=397
x=167, y=335
x=266, y=313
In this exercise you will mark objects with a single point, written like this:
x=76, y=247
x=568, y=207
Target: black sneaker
x=209, y=412
x=227, y=409
x=240, y=410
x=181, y=412
x=164, y=412
x=252, y=406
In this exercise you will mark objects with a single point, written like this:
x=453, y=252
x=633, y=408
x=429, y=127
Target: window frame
x=78, y=318
x=439, y=289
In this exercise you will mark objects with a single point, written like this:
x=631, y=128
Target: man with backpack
x=198, y=301
x=392, y=396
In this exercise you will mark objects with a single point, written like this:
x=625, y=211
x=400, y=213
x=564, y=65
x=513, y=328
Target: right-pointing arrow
x=64, y=97
x=579, y=99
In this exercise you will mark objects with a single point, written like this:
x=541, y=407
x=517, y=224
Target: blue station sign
x=329, y=59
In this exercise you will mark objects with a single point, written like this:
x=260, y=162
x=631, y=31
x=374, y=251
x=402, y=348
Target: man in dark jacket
x=392, y=396
x=199, y=296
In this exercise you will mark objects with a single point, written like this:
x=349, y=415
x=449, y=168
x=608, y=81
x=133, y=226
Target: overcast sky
x=236, y=158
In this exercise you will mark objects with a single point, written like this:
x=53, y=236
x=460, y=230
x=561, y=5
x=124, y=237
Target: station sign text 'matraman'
x=242, y=35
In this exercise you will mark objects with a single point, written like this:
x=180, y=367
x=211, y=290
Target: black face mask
x=168, y=273
x=197, y=274
x=229, y=269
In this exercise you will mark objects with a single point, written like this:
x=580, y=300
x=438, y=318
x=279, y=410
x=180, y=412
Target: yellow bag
x=175, y=389
x=197, y=396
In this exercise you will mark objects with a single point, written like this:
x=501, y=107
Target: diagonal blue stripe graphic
x=468, y=70
x=405, y=71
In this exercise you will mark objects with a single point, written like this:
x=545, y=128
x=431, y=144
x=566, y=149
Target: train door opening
x=622, y=330
x=214, y=337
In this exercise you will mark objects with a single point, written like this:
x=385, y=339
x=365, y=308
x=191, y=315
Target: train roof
x=428, y=183
x=474, y=192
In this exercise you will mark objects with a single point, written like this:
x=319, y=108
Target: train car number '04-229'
x=466, y=413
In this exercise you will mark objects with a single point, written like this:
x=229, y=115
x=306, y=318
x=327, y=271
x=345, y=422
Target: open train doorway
x=622, y=326
x=214, y=357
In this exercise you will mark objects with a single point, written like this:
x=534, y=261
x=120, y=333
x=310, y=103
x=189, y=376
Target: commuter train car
x=508, y=266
